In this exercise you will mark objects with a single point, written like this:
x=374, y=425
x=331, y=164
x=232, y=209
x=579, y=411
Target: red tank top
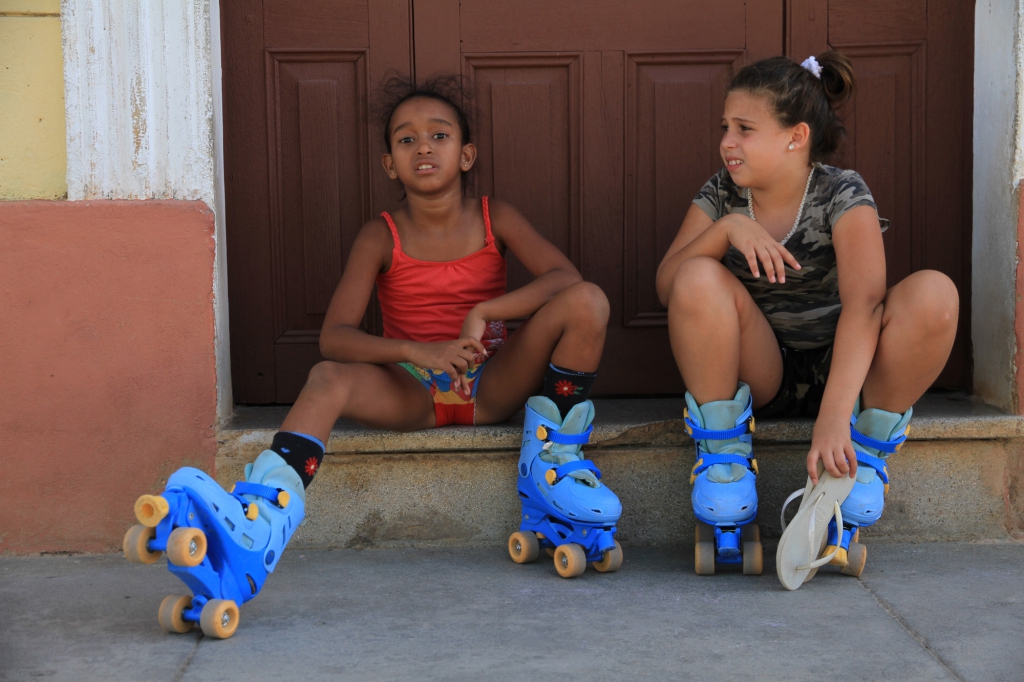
x=427, y=301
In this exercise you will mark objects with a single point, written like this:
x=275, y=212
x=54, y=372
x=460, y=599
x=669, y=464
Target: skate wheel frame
x=219, y=618
x=171, y=617
x=151, y=509
x=523, y=547
x=570, y=560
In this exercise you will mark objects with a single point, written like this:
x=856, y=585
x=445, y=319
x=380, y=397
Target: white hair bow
x=812, y=65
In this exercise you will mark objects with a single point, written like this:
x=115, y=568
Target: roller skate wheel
x=550, y=551
x=856, y=536
x=704, y=558
x=135, y=545
x=610, y=561
x=219, y=618
x=704, y=533
x=856, y=558
x=753, y=558
x=523, y=547
x=170, y=614
x=151, y=509
x=186, y=546
x=570, y=560
x=750, y=533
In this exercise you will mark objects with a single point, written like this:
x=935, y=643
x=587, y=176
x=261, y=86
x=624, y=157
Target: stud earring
x=792, y=147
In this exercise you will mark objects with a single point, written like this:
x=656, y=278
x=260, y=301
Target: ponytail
x=798, y=95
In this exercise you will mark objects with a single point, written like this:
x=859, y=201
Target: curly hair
x=447, y=88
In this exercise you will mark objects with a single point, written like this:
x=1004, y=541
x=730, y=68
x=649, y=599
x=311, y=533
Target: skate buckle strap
x=259, y=490
x=709, y=459
x=553, y=436
x=555, y=475
x=697, y=432
x=889, y=446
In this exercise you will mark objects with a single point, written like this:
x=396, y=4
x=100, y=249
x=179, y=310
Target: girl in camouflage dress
x=776, y=277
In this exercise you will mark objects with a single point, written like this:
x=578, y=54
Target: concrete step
x=961, y=476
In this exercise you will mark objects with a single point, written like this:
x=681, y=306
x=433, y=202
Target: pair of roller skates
x=222, y=545
x=724, y=485
x=566, y=510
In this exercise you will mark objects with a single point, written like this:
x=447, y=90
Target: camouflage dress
x=804, y=311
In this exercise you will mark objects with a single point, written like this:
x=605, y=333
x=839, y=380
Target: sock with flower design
x=567, y=387
x=302, y=453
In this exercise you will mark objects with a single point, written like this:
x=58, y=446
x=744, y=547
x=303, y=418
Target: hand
x=454, y=358
x=832, y=445
x=754, y=242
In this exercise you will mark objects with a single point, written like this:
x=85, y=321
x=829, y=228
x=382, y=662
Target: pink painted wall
x=1018, y=398
x=107, y=370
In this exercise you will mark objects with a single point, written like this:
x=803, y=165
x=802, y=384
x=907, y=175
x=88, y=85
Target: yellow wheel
x=704, y=533
x=753, y=558
x=570, y=560
x=135, y=548
x=704, y=557
x=610, y=560
x=550, y=551
x=856, y=536
x=219, y=618
x=170, y=616
x=856, y=558
x=750, y=533
x=523, y=547
x=151, y=509
x=186, y=546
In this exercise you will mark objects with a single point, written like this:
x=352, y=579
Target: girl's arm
x=700, y=236
x=342, y=340
x=553, y=272
x=860, y=260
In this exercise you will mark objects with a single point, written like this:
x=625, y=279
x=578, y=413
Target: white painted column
x=997, y=131
x=142, y=100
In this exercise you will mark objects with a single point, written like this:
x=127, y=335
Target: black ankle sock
x=302, y=453
x=567, y=387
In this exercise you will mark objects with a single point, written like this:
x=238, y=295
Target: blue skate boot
x=724, y=483
x=566, y=509
x=222, y=545
x=876, y=434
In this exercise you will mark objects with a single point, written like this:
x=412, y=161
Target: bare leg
x=381, y=396
x=719, y=335
x=567, y=331
x=918, y=328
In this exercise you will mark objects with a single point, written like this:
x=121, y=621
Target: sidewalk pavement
x=950, y=611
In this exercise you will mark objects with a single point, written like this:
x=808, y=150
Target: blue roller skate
x=876, y=434
x=221, y=545
x=566, y=509
x=724, y=483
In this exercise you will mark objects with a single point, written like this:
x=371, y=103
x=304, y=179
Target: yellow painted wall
x=33, y=150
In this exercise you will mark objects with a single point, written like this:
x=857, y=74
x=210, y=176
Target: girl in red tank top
x=438, y=263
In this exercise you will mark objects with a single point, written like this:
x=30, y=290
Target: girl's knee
x=931, y=298
x=698, y=281
x=328, y=376
x=586, y=300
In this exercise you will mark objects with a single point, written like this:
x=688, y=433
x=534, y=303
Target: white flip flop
x=797, y=557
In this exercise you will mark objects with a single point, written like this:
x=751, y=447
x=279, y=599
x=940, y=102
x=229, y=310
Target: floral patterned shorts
x=450, y=406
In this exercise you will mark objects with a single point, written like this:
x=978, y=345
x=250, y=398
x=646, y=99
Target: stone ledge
x=621, y=422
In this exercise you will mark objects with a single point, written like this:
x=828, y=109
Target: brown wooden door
x=597, y=118
x=909, y=130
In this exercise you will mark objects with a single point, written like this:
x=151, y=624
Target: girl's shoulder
x=840, y=185
x=720, y=196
